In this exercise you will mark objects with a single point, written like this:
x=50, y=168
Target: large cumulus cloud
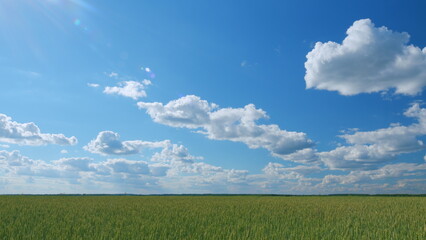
x=370, y=59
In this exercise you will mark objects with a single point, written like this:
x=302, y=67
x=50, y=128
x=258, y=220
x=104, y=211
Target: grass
x=212, y=217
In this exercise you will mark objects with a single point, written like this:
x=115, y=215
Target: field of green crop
x=212, y=217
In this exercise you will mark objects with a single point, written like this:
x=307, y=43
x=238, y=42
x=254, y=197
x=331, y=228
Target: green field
x=212, y=217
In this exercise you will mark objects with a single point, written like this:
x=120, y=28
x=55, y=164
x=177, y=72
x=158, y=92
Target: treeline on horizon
x=230, y=195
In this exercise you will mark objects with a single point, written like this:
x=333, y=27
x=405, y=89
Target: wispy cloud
x=113, y=75
x=93, y=85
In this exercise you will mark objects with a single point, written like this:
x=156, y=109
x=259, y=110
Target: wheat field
x=212, y=217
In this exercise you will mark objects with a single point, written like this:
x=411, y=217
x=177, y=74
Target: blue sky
x=297, y=97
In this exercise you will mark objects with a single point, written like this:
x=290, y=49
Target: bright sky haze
x=153, y=97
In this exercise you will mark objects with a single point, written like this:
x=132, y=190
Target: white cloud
x=305, y=156
x=174, y=168
x=4, y=146
x=131, y=89
x=13, y=158
x=29, y=134
x=173, y=159
x=93, y=85
x=75, y=164
x=368, y=149
x=277, y=170
x=233, y=124
x=16, y=164
x=113, y=75
x=175, y=174
x=29, y=74
x=190, y=177
x=63, y=151
x=108, y=143
x=186, y=112
x=121, y=165
x=370, y=59
x=386, y=172
x=69, y=168
x=358, y=156
x=174, y=153
x=146, y=82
